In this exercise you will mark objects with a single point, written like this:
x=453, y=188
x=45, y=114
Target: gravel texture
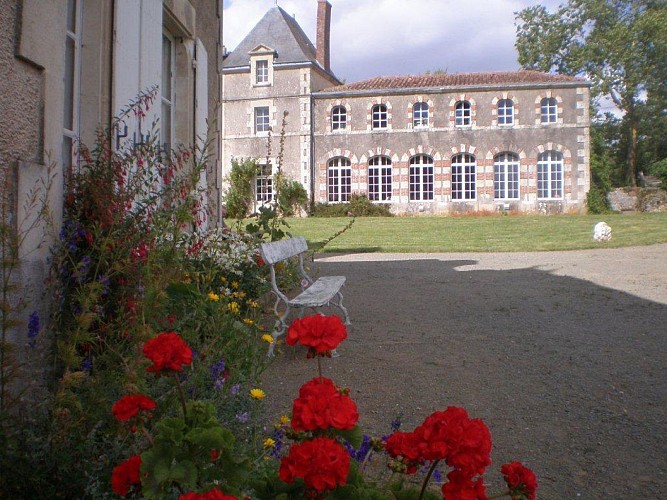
x=562, y=354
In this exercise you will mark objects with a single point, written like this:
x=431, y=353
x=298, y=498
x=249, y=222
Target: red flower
x=125, y=475
x=322, y=463
x=521, y=481
x=320, y=333
x=214, y=494
x=405, y=445
x=321, y=405
x=167, y=351
x=461, y=487
x=129, y=406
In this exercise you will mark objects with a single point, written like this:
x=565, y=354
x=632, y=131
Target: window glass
x=505, y=112
x=463, y=113
x=549, y=110
x=264, y=184
x=262, y=122
x=550, y=175
x=420, y=178
x=420, y=114
x=262, y=71
x=339, y=180
x=506, y=176
x=379, y=178
x=338, y=118
x=464, y=177
x=379, y=116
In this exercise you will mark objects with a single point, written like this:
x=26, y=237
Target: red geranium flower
x=321, y=405
x=521, y=481
x=125, y=475
x=322, y=463
x=167, y=351
x=129, y=406
x=320, y=333
x=214, y=494
x=461, y=487
x=405, y=445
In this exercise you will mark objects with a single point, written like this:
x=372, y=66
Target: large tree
x=620, y=45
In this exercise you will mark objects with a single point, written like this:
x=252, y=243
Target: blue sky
x=397, y=37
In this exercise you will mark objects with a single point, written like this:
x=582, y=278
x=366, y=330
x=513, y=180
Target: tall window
x=167, y=92
x=421, y=178
x=505, y=112
x=71, y=81
x=463, y=113
x=379, y=178
x=264, y=184
x=338, y=118
x=339, y=179
x=550, y=175
x=549, y=110
x=506, y=176
x=379, y=116
x=261, y=71
x=464, y=177
x=262, y=121
x=420, y=114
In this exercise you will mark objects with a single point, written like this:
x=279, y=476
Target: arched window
x=549, y=110
x=463, y=113
x=505, y=112
x=338, y=118
x=550, y=175
x=339, y=179
x=420, y=114
x=464, y=177
x=379, y=178
x=421, y=178
x=506, y=176
x=379, y=117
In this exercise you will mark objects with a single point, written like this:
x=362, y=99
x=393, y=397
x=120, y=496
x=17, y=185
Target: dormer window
x=262, y=72
x=261, y=66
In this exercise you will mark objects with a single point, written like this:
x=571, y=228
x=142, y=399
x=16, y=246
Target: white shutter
x=201, y=121
x=137, y=60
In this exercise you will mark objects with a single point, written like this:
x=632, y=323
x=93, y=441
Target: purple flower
x=235, y=389
x=243, y=417
x=87, y=365
x=33, y=329
x=218, y=373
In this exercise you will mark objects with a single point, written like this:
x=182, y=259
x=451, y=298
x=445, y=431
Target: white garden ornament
x=602, y=232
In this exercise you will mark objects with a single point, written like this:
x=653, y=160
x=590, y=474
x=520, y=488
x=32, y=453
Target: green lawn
x=526, y=233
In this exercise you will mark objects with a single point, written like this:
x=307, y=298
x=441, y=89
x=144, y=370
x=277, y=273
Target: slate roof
x=281, y=32
x=455, y=80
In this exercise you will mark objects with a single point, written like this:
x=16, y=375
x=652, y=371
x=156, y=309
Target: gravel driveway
x=562, y=354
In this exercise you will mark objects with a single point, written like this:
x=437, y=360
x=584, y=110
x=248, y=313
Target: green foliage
x=291, y=196
x=239, y=196
x=660, y=169
x=358, y=206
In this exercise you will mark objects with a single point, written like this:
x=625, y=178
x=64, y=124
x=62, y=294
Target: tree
x=620, y=45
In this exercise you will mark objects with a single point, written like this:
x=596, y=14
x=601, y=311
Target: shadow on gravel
x=570, y=377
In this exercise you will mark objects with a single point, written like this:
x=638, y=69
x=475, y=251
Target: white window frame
x=463, y=114
x=167, y=98
x=379, y=117
x=264, y=184
x=548, y=110
x=379, y=178
x=506, y=168
x=262, y=72
x=421, y=178
x=420, y=115
x=72, y=96
x=464, y=177
x=505, y=112
x=550, y=175
x=339, y=180
x=338, y=118
x=261, y=120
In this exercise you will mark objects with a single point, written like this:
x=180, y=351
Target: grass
x=497, y=233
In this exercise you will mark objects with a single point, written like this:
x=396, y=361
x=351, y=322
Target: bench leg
x=340, y=306
x=279, y=327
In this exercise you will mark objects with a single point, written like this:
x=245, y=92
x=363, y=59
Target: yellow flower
x=269, y=443
x=253, y=303
x=240, y=294
x=284, y=420
x=248, y=321
x=257, y=394
x=233, y=307
x=213, y=296
x=267, y=338
x=223, y=280
x=235, y=285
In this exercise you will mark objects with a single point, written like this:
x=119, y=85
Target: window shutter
x=201, y=122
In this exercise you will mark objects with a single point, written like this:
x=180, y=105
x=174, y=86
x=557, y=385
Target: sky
x=372, y=38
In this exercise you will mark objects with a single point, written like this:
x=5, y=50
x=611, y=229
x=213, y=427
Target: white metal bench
x=325, y=291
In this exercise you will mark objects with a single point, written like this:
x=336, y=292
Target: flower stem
x=427, y=478
x=181, y=394
x=319, y=366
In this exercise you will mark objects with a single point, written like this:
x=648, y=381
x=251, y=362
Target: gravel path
x=561, y=353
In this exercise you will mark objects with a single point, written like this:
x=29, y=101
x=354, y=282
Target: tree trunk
x=632, y=154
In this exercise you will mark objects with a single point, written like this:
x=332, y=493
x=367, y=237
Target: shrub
x=358, y=206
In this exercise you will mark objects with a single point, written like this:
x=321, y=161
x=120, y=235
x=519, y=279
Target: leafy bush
x=238, y=199
x=292, y=196
x=358, y=206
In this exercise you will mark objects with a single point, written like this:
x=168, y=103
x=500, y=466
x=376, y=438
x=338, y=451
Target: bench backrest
x=277, y=251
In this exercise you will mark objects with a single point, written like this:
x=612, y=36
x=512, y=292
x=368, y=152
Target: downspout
x=111, y=73
x=312, y=152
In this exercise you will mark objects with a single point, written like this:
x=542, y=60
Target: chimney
x=323, y=33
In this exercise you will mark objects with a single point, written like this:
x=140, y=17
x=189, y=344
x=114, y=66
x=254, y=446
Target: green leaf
x=353, y=436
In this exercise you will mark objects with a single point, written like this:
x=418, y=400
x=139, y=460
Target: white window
x=167, y=92
x=506, y=176
x=262, y=120
x=549, y=110
x=421, y=178
x=463, y=114
x=464, y=177
x=420, y=115
x=339, y=180
x=264, y=184
x=550, y=175
x=379, y=178
x=262, y=72
x=338, y=118
x=505, y=112
x=71, y=83
x=379, y=117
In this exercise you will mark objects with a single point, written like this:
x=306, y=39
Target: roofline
x=449, y=88
x=232, y=70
